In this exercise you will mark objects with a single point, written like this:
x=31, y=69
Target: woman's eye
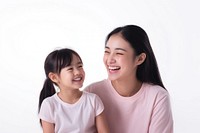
x=106, y=52
x=120, y=54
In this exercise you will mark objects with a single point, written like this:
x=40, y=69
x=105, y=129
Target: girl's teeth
x=77, y=79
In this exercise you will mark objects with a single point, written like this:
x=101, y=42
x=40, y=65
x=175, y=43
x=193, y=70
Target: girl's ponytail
x=47, y=91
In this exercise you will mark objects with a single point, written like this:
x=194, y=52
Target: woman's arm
x=47, y=127
x=101, y=123
x=162, y=120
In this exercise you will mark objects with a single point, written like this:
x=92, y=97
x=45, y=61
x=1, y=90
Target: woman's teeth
x=114, y=68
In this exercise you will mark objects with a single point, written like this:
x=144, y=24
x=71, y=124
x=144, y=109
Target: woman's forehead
x=117, y=42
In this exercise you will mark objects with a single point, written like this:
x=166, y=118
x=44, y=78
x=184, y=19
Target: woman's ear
x=141, y=58
x=53, y=77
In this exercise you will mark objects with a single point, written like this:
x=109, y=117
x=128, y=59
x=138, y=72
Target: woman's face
x=119, y=59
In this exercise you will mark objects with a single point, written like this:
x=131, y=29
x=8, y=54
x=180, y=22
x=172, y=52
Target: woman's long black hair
x=148, y=71
x=54, y=62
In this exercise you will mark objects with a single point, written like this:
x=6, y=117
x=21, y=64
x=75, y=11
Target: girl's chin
x=78, y=85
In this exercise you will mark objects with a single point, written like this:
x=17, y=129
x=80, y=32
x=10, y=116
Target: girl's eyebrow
x=80, y=62
x=116, y=48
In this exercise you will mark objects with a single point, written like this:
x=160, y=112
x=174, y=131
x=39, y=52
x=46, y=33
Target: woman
x=134, y=96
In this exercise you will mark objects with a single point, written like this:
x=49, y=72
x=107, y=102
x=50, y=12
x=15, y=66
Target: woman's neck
x=70, y=96
x=126, y=88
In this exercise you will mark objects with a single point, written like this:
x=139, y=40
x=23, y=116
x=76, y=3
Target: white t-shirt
x=72, y=118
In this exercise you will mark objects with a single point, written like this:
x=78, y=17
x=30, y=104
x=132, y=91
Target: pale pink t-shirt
x=72, y=118
x=148, y=111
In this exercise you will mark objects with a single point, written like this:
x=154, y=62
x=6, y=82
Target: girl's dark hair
x=54, y=62
x=148, y=71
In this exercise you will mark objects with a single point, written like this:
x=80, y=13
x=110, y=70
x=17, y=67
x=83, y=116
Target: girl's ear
x=53, y=77
x=141, y=58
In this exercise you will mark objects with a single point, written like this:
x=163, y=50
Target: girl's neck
x=126, y=88
x=70, y=96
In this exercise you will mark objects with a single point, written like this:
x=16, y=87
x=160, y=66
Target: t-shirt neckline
x=68, y=104
x=133, y=97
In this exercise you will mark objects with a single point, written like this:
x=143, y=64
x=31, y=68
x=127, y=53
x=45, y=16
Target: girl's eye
x=80, y=66
x=70, y=68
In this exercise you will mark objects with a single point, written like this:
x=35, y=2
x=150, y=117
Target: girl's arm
x=101, y=123
x=47, y=127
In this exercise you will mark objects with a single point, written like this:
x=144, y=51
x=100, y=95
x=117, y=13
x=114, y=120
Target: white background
x=30, y=29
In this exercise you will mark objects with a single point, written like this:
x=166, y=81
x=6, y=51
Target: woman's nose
x=111, y=58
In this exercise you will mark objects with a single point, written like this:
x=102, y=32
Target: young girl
x=69, y=110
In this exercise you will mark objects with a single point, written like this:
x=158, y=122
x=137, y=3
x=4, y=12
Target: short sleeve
x=99, y=107
x=45, y=112
x=162, y=117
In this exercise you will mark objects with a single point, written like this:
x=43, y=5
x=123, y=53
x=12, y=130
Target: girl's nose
x=76, y=71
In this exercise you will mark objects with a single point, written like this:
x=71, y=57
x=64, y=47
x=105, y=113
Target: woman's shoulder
x=156, y=94
x=97, y=84
x=155, y=90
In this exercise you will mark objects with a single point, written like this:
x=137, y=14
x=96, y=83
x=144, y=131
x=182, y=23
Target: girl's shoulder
x=92, y=97
x=89, y=94
x=51, y=100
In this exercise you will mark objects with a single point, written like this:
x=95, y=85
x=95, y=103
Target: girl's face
x=72, y=76
x=119, y=59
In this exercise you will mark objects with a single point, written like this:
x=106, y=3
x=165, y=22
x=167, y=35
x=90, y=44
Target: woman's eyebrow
x=121, y=49
x=107, y=47
x=116, y=48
